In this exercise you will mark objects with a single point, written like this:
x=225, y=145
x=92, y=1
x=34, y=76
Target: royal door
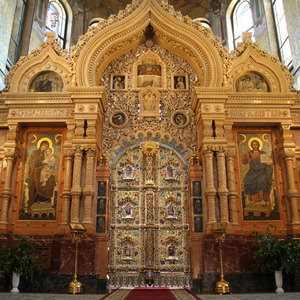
x=149, y=227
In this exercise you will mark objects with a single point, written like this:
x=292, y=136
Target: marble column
x=222, y=188
x=9, y=156
x=88, y=190
x=232, y=195
x=293, y=194
x=76, y=188
x=210, y=188
x=66, y=195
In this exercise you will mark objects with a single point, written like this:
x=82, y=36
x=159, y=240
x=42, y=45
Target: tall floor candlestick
x=219, y=230
x=75, y=287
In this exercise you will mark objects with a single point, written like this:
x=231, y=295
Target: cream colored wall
x=6, y=22
x=292, y=8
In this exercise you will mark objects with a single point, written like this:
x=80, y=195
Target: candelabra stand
x=77, y=232
x=219, y=230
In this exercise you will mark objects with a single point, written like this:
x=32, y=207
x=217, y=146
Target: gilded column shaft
x=67, y=187
x=88, y=190
x=210, y=189
x=76, y=189
x=150, y=247
x=232, y=195
x=6, y=191
x=149, y=151
x=293, y=193
x=222, y=189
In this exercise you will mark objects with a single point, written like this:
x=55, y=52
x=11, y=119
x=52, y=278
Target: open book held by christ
x=266, y=159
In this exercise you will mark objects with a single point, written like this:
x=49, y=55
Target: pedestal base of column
x=234, y=224
x=88, y=226
x=295, y=227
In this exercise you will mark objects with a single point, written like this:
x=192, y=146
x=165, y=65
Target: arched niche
x=122, y=33
x=48, y=58
x=151, y=63
x=46, y=81
x=249, y=58
x=252, y=82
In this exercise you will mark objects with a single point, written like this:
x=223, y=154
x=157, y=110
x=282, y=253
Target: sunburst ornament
x=149, y=148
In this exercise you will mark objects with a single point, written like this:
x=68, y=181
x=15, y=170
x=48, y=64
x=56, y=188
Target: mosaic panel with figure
x=257, y=172
x=133, y=160
x=127, y=253
x=170, y=205
x=131, y=199
x=252, y=82
x=46, y=82
x=171, y=250
x=168, y=160
x=42, y=165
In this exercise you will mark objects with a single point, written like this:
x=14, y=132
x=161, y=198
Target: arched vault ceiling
x=121, y=33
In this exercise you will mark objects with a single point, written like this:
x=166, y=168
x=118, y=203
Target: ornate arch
x=123, y=32
x=48, y=57
x=134, y=139
x=250, y=58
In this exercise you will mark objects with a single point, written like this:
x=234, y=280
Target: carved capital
x=207, y=150
x=90, y=150
x=78, y=151
x=287, y=153
x=69, y=153
x=11, y=153
x=230, y=153
x=219, y=149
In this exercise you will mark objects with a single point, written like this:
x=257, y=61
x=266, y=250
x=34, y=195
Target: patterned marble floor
x=25, y=296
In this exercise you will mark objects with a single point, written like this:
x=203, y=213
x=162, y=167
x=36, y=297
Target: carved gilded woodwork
x=157, y=241
x=172, y=103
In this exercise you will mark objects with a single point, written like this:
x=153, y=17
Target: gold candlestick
x=219, y=230
x=77, y=232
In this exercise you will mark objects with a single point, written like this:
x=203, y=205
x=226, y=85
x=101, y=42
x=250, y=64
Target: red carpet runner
x=143, y=293
x=150, y=294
